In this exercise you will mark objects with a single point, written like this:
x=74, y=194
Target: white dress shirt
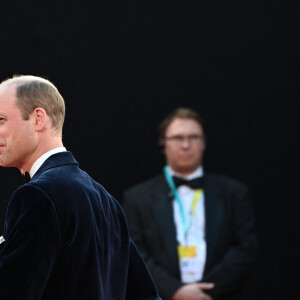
x=196, y=233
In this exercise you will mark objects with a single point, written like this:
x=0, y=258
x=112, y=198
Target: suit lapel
x=163, y=212
x=213, y=217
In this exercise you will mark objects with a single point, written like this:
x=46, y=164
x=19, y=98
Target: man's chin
x=186, y=169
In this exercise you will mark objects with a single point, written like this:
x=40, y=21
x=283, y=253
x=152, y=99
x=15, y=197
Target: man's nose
x=186, y=142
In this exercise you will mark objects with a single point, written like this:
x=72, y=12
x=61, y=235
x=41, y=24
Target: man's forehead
x=7, y=94
x=7, y=89
x=180, y=125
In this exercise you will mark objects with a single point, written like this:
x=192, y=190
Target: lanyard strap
x=197, y=196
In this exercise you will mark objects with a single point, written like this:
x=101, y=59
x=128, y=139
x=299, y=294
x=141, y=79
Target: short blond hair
x=33, y=92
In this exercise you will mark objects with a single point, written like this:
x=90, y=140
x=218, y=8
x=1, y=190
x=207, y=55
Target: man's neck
x=40, y=150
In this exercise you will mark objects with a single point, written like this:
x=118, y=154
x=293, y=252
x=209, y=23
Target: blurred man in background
x=194, y=229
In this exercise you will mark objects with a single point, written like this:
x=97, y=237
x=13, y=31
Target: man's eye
x=178, y=138
x=194, y=137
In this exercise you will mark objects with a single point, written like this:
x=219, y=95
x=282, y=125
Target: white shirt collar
x=42, y=159
x=197, y=173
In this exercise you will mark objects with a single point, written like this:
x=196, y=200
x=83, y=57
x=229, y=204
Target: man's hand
x=193, y=291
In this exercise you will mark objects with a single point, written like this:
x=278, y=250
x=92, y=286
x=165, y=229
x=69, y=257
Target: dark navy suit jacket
x=66, y=238
x=229, y=233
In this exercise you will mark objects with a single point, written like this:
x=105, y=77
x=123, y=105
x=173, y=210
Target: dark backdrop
x=122, y=66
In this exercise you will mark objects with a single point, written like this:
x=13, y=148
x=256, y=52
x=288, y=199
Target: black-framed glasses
x=192, y=139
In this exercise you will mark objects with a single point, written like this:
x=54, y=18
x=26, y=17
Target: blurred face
x=184, y=145
x=17, y=138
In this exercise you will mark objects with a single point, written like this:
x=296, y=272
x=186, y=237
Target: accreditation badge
x=189, y=265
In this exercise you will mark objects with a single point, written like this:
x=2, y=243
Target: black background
x=122, y=66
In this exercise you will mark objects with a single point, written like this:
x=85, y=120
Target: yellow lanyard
x=195, y=201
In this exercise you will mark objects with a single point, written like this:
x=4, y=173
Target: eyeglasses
x=193, y=139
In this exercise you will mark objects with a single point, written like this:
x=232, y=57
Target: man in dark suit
x=194, y=229
x=65, y=236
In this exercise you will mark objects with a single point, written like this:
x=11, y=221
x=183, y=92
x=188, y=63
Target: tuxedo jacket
x=66, y=238
x=229, y=233
x=10, y=179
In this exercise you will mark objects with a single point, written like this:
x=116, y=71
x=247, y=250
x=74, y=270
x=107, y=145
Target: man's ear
x=40, y=117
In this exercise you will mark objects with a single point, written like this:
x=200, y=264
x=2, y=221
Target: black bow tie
x=196, y=183
x=26, y=177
